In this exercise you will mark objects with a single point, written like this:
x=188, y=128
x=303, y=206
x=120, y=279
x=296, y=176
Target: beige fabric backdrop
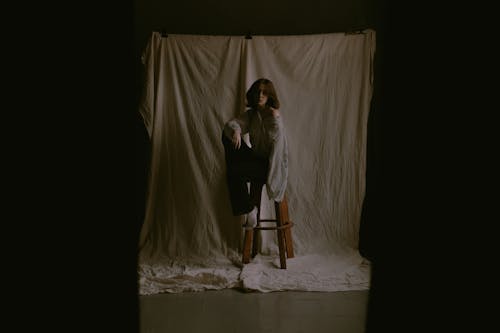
x=189, y=240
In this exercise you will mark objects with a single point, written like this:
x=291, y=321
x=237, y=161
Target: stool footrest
x=285, y=226
x=275, y=221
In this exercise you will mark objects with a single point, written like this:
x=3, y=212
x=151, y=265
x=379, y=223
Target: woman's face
x=262, y=96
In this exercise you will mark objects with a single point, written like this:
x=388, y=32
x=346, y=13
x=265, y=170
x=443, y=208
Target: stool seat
x=283, y=231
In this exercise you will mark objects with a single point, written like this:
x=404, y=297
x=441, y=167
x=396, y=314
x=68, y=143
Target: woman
x=265, y=162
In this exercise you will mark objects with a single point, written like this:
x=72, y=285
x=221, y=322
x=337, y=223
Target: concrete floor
x=234, y=311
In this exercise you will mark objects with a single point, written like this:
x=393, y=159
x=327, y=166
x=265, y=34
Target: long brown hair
x=268, y=89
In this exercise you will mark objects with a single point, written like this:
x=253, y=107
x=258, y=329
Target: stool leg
x=281, y=246
x=247, y=245
x=256, y=195
x=288, y=242
x=255, y=243
x=256, y=236
x=284, y=235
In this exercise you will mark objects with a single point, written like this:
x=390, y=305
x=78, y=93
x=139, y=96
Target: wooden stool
x=283, y=225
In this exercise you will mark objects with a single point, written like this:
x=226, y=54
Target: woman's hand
x=236, y=139
x=274, y=112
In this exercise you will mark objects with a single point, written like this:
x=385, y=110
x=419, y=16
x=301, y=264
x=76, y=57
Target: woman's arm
x=236, y=127
x=278, y=158
x=275, y=125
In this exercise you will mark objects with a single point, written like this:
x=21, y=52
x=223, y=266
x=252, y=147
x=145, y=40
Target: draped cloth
x=193, y=85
